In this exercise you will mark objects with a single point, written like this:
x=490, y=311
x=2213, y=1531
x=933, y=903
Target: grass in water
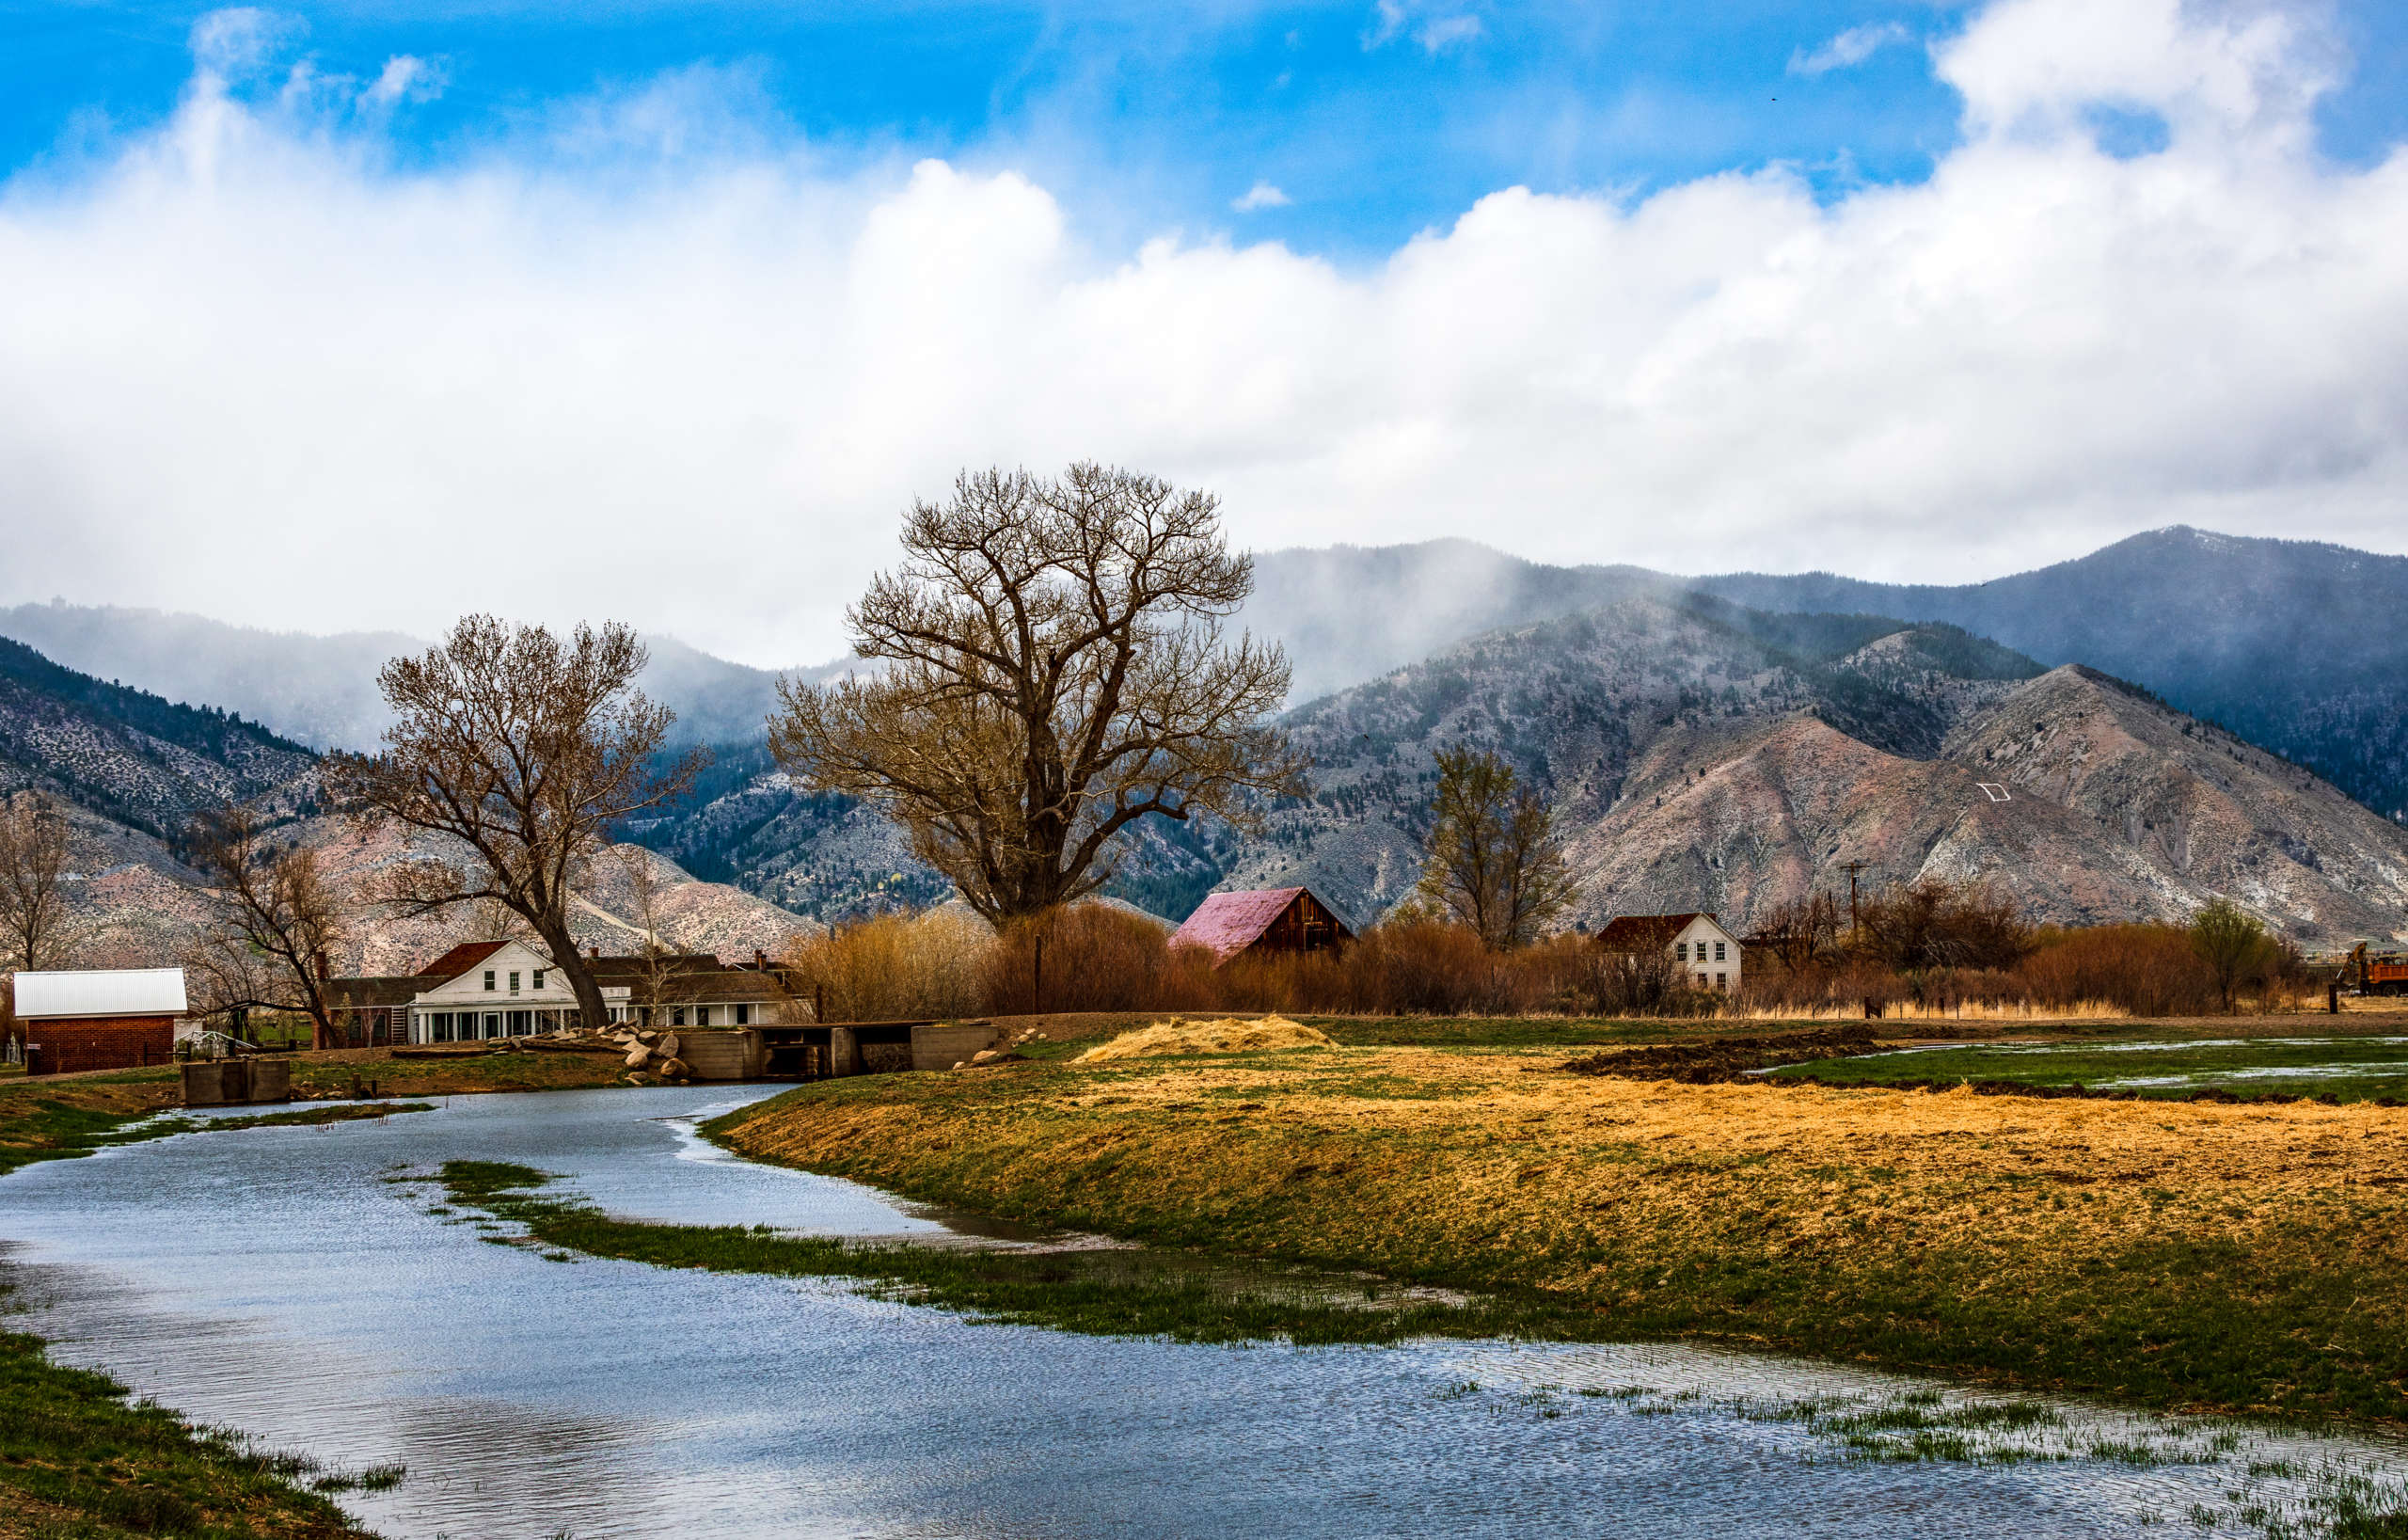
x=2356, y=1069
x=1108, y=1292
x=77, y=1459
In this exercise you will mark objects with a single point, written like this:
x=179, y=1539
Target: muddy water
x=270, y=1279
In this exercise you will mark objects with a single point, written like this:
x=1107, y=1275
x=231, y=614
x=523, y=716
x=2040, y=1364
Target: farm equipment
x=2376, y=973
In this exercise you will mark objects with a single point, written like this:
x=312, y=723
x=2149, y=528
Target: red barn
x=1267, y=920
x=99, y=1019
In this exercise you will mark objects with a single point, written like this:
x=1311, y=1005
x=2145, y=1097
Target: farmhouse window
x=488, y=978
x=539, y=978
x=743, y=1015
x=1680, y=954
x=1722, y=981
x=513, y=983
x=701, y=1015
x=1717, y=955
x=677, y=1016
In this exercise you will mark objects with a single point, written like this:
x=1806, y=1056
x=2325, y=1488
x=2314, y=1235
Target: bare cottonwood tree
x=1496, y=858
x=521, y=751
x=1800, y=932
x=1054, y=672
x=275, y=920
x=33, y=863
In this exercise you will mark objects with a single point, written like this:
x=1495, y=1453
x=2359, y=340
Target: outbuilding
x=1264, y=920
x=98, y=1018
x=1706, y=955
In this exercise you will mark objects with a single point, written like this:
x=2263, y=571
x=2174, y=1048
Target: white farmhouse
x=1706, y=955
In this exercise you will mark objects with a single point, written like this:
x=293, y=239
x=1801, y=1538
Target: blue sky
x=1911, y=292
x=1372, y=124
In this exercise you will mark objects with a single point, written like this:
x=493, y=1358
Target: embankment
x=2237, y=1257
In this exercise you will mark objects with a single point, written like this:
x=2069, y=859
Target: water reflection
x=276, y=1279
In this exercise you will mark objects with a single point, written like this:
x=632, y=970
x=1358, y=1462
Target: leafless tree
x=1801, y=932
x=33, y=863
x=1496, y=858
x=277, y=921
x=1054, y=671
x=1934, y=923
x=521, y=752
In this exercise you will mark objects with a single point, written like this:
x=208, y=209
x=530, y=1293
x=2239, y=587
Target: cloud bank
x=658, y=362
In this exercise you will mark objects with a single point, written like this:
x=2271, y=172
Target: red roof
x=460, y=958
x=1229, y=922
x=1645, y=932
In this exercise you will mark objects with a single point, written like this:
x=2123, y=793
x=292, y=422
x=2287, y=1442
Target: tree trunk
x=571, y=962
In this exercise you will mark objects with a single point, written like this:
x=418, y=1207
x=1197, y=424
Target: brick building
x=97, y=1019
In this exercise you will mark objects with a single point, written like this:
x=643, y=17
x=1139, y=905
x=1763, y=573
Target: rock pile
x=651, y=1056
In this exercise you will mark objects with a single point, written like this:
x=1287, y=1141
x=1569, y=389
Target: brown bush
x=2149, y=970
x=1096, y=957
x=895, y=967
x=1938, y=924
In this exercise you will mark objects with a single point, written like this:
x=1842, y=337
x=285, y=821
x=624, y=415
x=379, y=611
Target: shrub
x=2149, y=970
x=895, y=967
x=1097, y=956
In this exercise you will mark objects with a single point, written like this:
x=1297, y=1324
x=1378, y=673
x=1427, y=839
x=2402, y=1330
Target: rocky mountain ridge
x=1732, y=761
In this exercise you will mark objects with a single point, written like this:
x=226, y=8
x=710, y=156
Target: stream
x=278, y=1281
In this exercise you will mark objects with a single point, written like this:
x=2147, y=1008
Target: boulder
x=675, y=1069
x=668, y=1045
x=639, y=1056
x=985, y=1055
x=645, y=1034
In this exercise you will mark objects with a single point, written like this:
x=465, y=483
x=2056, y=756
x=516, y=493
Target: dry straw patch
x=1230, y=1035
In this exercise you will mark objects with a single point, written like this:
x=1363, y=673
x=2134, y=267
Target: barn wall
x=98, y=1042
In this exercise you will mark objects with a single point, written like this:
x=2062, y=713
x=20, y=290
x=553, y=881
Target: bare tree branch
x=523, y=752
x=1057, y=672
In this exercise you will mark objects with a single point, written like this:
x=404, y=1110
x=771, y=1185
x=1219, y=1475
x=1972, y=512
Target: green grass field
x=2357, y=1069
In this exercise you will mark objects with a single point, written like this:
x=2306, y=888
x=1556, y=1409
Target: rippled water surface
x=270, y=1279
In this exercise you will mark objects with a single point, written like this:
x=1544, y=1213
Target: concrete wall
x=714, y=1055
x=97, y=1042
x=217, y=1083
x=948, y=1044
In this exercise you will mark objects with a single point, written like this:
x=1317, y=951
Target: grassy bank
x=2245, y=1259
x=78, y=1461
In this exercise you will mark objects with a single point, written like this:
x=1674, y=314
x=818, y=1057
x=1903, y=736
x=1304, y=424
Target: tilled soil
x=1715, y=1060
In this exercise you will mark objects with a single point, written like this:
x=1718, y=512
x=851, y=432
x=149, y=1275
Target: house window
x=1722, y=981
x=488, y=978
x=677, y=1016
x=1680, y=954
x=743, y=1015
x=513, y=983
x=438, y=1028
x=1717, y=955
x=701, y=1015
x=539, y=978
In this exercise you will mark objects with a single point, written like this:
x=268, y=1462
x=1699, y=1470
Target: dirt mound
x=1724, y=1058
x=1233, y=1035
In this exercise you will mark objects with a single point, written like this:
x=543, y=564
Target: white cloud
x=691, y=378
x=1392, y=19
x=1444, y=32
x=1262, y=195
x=1849, y=48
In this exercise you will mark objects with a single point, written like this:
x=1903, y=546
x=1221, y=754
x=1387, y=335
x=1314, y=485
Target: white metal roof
x=100, y=992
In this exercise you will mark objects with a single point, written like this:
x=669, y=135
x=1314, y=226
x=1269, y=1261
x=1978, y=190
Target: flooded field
x=2351, y=1069
x=289, y=1282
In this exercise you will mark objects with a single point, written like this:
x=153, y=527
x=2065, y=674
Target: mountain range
x=1789, y=722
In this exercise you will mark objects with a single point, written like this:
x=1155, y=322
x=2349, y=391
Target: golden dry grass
x=2052, y=1241
x=1228, y=1035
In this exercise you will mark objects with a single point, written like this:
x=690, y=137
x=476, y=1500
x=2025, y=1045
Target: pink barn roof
x=1229, y=922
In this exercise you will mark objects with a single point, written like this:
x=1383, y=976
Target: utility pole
x=1852, y=867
